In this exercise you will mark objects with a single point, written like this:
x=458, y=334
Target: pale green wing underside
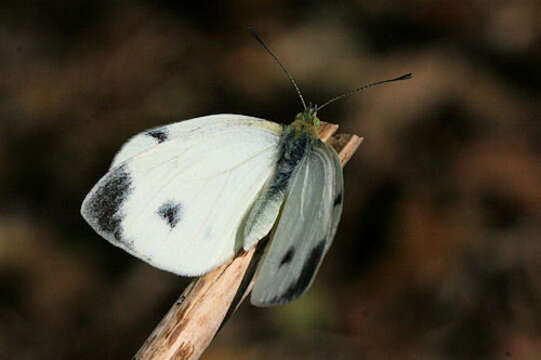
x=305, y=230
x=262, y=216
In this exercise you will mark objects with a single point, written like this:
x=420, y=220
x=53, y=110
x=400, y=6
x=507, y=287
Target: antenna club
x=404, y=77
x=364, y=87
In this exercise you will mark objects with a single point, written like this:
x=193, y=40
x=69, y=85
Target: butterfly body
x=308, y=172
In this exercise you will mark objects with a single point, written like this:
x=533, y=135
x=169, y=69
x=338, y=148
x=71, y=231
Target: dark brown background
x=438, y=255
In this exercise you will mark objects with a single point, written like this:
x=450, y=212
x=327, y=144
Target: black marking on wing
x=170, y=212
x=160, y=134
x=103, y=207
x=287, y=257
x=309, y=268
x=337, y=200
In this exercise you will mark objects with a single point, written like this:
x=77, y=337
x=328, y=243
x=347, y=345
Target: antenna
x=256, y=36
x=364, y=87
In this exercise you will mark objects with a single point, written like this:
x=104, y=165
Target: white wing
x=305, y=230
x=178, y=201
x=155, y=136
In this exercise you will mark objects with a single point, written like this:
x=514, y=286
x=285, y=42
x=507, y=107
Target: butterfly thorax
x=301, y=126
x=295, y=143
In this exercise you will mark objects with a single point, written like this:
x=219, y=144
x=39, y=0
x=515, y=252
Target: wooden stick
x=205, y=305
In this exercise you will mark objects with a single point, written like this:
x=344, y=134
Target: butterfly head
x=309, y=115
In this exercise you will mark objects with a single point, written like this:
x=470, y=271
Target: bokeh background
x=438, y=255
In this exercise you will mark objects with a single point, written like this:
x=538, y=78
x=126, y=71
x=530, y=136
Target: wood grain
x=205, y=305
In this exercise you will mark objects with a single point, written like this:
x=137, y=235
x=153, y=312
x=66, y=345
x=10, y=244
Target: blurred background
x=438, y=255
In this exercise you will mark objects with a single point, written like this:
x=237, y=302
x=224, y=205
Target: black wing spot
x=160, y=134
x=287, y=257
x=337, y=200
x=307, y=273
x=105, y=204
x=170, y=212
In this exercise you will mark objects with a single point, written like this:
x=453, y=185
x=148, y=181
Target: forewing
x=178, y=131
x=179, y=204
x=305, y=230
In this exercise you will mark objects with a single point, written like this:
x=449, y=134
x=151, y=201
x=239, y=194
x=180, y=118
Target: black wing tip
x=102, y=207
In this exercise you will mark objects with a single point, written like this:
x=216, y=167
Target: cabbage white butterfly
x=188, y=196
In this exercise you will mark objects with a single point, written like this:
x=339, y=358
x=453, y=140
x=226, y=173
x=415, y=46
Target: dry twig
x=192, y=322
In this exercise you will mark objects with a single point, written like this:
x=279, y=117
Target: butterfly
x=188, y=196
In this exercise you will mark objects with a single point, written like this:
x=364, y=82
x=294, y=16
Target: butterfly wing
x=177, y=201
x=305, y=230
x=150, y=138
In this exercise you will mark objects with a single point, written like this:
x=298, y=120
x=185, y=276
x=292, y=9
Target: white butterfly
x=187, y=197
